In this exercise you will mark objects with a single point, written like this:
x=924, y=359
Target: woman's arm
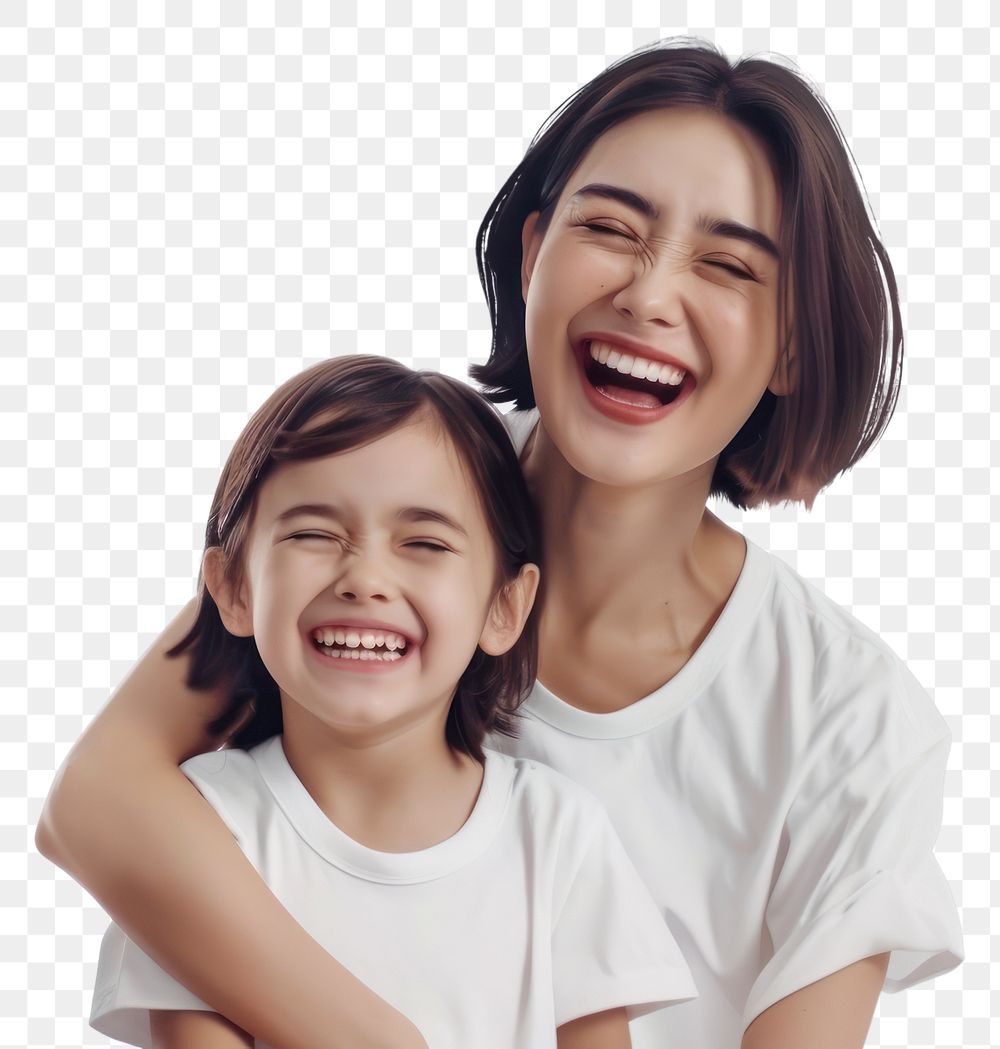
x=832, y=1013
x=124, y=821
x=195, y=1030
x=607, y=1030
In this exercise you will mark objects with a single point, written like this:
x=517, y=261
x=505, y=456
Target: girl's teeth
x=637, y=367
x=360, y=643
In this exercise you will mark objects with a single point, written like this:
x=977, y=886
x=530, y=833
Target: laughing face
x=369, y=580
x=651, y=299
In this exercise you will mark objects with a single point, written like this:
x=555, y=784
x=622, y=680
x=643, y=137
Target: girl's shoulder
x=547, y=801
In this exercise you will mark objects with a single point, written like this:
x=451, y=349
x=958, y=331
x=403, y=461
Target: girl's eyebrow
x=309, y=510
x=408, y=513
x=719, y=227
x=425, y=513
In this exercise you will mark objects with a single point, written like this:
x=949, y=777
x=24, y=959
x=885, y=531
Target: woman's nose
x=654, y=294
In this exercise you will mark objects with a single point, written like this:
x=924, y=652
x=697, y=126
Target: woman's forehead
x=685, y=160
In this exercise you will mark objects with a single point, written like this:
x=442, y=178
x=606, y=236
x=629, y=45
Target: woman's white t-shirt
x=529, y=916
x=781, y=797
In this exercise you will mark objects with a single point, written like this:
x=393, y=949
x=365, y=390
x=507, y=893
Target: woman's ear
x=233, y=604
x=785, y=377
x=531, y=241
x=509, y=612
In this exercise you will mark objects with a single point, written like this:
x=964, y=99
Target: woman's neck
x=633, y=578
x=403, y=793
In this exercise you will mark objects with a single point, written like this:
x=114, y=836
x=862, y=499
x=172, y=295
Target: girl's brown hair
x=836, y=283
x=338, y=405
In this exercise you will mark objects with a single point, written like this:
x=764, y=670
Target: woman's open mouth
x=632, y=388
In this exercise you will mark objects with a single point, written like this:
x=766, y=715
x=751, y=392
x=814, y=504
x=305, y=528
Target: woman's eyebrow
x=716, y=226
x=628, y=197
x=737, y=231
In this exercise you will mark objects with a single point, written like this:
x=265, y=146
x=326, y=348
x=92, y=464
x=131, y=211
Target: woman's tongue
x=625, y=395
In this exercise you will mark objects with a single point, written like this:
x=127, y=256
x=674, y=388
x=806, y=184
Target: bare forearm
x=607, y=1030
x=833, y=1013
x=127, y=824
x=191, y=1030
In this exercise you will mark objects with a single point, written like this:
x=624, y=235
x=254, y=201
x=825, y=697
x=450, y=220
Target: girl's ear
x=234, y=608
x=509, y=612
x=531, y=241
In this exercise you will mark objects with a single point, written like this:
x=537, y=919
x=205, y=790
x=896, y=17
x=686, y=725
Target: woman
x=684, y=280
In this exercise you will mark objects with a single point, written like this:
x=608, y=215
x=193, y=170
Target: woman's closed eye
x=604, y=229
x=737, y=269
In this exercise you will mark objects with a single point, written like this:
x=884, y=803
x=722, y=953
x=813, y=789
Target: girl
x=368, y=578
x=688, y=299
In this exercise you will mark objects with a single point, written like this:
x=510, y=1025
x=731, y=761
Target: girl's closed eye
x=434, y=545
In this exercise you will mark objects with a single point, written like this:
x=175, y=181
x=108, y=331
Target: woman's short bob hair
x=340, y=404
x=836, y=284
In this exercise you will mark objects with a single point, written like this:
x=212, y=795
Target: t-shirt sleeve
x=858, y=876
x=129, y=986
x=611, y=946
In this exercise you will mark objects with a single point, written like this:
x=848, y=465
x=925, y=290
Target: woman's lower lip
x=358, y=666
x=620, y=411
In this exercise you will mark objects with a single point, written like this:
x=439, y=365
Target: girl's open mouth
x=359, y=644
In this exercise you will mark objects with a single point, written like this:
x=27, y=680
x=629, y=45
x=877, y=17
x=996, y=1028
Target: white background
x=198, y=200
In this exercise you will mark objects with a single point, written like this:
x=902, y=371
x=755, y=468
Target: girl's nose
x=364, y=577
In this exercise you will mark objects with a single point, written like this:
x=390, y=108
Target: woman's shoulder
x=852, y=667
x=520, y=426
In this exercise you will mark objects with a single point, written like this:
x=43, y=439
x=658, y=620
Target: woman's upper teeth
x=632, y=364
x=359, y=638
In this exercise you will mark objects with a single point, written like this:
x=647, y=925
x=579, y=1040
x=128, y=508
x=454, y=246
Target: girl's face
x=651, y=298
x=369, y=581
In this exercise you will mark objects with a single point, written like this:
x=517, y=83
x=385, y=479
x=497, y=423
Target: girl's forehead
x=413, y=463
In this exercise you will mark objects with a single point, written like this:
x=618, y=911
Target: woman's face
x=651, y=298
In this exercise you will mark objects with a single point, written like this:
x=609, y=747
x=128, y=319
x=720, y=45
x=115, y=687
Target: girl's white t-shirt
x=529, y=916
x=780, y=796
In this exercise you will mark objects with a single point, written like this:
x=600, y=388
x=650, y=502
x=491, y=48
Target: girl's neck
x=633, y=578
x=399, y=794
